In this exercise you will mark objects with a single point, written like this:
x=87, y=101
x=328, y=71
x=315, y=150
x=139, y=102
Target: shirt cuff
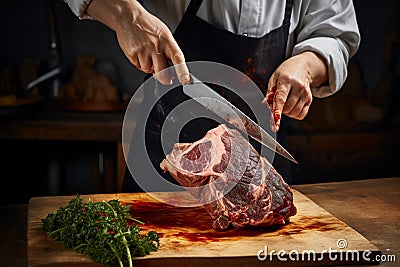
x=336, y=55
x=79, y=8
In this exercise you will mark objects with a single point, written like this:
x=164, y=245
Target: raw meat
x=233, y=183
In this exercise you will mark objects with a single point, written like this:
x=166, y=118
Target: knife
x=214, y=102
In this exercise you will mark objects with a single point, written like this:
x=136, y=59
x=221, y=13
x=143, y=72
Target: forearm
x=112, y=13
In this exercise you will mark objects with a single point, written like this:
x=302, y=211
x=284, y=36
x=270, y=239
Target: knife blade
x=219, y=105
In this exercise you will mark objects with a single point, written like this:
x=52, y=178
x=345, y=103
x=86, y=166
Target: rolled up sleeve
x=330, y=29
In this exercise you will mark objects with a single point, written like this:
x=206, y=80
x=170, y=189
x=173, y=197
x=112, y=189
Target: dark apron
x=258, y=58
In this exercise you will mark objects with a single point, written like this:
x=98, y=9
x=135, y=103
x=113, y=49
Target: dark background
x=351, y=135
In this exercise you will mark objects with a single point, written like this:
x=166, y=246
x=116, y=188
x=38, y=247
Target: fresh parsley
x=103, y=230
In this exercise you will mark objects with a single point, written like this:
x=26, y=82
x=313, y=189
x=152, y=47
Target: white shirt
x=327, y=27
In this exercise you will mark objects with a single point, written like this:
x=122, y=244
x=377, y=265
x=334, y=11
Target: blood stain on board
x=193, y=224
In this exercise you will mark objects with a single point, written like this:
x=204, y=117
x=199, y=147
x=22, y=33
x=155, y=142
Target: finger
x=160, y=69
x=282, y=92
x=272, y=123
x=303, y=112
x=294, y=108
x=303, y=107
x=275, y=121
x=146, y=64
x=304, y=98
x=269, y=97
x=292, y=103
x=135, y=62
x=174, y=53
x=281, y=95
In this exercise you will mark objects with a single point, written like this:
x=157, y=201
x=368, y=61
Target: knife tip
x=291, y=158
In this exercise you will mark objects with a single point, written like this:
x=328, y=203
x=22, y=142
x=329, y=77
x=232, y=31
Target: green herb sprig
x=103, y=230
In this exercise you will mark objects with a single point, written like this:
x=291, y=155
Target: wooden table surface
x=369, y=206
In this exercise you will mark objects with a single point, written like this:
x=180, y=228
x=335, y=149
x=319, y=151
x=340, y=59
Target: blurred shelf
x=344, y=156
x=66, y=136
x=53, y=124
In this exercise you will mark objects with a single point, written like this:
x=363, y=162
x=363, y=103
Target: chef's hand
x=145, y=40
x=289, y=88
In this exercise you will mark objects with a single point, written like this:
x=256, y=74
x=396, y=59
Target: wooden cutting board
x=188, y=239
